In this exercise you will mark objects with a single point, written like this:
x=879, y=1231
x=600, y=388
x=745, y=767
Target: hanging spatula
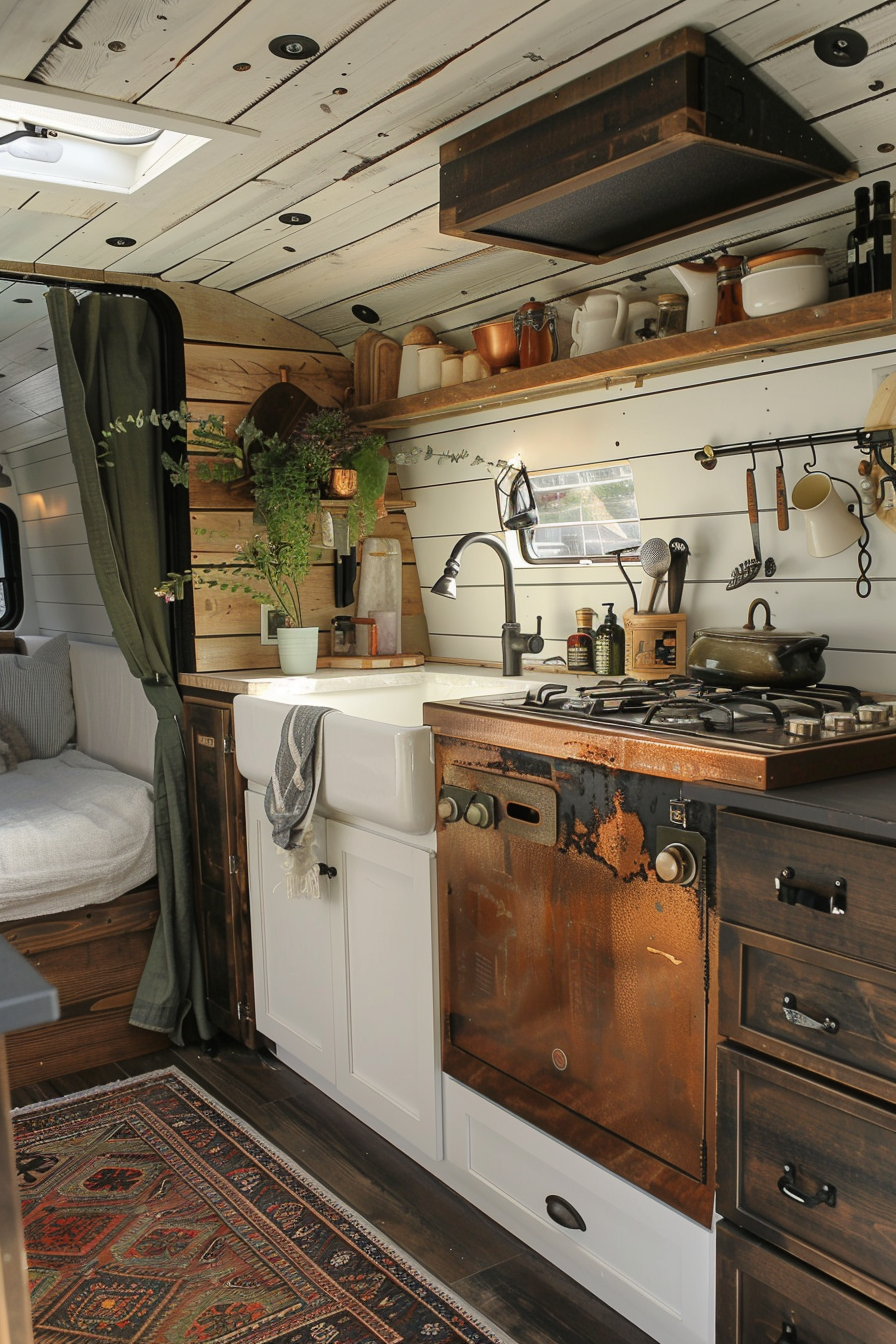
x=747, y=570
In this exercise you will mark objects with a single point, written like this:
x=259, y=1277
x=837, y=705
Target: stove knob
x=476, y=814
x=842, y=724
x=448, y=809
x=799, y=725
x=676, y=864
x=873, y=716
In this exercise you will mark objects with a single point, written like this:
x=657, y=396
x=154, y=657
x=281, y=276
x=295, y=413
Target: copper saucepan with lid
x=757, y=657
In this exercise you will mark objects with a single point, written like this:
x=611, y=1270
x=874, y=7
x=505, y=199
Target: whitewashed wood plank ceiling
x=351, y=138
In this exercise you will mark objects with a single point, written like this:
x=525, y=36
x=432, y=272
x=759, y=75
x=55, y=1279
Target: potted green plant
x=357, y=468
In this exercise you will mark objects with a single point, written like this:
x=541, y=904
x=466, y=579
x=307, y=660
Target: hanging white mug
x=830, y=527
x=600, y=322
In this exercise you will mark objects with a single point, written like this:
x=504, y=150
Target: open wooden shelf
x=801, y=329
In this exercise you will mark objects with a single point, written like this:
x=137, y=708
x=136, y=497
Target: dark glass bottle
x=609, y=646
x=858, y=246
x=881, y=237
x=730, y=304
x=580, y=646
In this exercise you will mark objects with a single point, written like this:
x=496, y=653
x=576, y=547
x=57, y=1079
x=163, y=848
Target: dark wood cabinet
x=806, y=1086
x=220, y=871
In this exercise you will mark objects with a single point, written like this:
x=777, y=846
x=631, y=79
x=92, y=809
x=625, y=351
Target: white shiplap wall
x=659, y=427
x=64, y=595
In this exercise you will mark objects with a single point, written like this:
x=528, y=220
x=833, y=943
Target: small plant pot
x=342, y=483
x=297, y=646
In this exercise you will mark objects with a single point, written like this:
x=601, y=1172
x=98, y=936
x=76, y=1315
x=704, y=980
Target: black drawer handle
x=798, y=1019
x=563, y=1213
x=788, y=1334
x=834, y=904
x=827, y=1194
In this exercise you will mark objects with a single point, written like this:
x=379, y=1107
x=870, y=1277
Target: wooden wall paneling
x=221, y=372
x=234, y=653
x=228, y=319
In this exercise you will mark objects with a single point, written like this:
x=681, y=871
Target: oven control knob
x=448, y=809
x=477, y=814
x=676, y=863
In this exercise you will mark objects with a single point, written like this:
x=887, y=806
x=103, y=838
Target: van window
x=12, y=599
x=583, y=513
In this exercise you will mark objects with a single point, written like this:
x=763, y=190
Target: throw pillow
x=36, y=694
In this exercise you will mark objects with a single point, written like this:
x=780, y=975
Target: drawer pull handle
x=798, y=1019
x=826, y=1195
x=563, y=1213
x=835, y=904
x=788, y=1334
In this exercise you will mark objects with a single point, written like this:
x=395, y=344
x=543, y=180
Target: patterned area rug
x=153, y=1215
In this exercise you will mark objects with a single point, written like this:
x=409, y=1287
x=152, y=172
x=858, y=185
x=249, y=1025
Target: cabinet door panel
x=291, y=951
x=384, y=984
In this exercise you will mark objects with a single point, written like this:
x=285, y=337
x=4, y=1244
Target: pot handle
x=814, y=642
x=759, y=602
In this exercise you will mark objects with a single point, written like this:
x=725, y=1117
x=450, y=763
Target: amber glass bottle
x=580, y=646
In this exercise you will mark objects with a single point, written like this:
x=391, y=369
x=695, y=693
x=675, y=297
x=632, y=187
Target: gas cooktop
x=677, y=707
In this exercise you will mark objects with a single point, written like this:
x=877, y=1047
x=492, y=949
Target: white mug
x=830, y=527
x=600, y=322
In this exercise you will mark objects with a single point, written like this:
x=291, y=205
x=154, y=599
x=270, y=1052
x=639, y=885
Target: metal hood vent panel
x=653, y=146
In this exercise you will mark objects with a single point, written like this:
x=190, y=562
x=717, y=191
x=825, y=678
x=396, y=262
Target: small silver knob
x=799, y=725
x=873, y=716
x=448, y=809
x=842, y=724
x=677, y=864
x=476, y=814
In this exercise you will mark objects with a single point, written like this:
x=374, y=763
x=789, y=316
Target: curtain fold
x=108, y=349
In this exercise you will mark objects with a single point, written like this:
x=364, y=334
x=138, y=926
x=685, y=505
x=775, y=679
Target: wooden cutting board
x=377, y=359
x=375, y=660
x=882, y=415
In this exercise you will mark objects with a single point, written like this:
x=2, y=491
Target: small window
x=12, y=600
x=583, y=513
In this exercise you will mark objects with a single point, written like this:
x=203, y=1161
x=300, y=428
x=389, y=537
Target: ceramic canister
x=429, y=366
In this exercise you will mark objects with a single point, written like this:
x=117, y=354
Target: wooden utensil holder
x=656, y=644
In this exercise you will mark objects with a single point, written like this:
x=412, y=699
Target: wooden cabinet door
x=291, y=951
x=219, y=866
x=384, y=981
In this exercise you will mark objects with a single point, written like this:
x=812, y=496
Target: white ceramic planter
x=298, y=649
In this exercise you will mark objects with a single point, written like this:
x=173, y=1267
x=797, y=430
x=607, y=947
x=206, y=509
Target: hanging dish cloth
x=291, y=794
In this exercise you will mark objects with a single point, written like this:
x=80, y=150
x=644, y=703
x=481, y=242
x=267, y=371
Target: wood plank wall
x=659, y=427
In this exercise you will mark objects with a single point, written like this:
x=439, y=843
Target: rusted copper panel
x=643, y=752
x=574, y=970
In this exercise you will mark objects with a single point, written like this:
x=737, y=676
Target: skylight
x=50, y=135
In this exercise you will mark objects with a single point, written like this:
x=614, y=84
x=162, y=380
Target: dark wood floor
x=497, y=1274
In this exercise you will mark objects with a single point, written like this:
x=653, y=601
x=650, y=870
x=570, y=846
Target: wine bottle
x=881, y=237
x=858, y=246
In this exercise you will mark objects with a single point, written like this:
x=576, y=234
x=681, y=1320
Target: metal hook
x=753, y=457
x=810, y=466
x=780, y=455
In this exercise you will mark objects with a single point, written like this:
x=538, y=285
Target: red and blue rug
x=154, y=1216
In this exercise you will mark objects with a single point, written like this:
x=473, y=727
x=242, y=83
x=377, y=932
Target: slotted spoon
x=747, y=570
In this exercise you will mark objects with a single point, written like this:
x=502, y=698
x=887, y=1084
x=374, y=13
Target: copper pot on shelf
x=342, y=483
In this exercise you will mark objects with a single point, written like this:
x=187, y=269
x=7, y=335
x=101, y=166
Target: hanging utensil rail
x=869, y=441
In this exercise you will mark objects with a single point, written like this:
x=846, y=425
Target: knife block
x=656, y=644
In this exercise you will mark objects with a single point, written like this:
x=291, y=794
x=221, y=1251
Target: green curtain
x=108, y=349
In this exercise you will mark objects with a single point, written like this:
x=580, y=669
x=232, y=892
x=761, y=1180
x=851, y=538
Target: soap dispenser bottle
x=580, y=646
x=609, y=645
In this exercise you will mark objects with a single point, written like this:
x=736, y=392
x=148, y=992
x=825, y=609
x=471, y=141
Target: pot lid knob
x=759, y=602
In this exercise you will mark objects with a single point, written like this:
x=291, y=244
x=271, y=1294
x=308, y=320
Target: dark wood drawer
x=771, y=990
x=753, y=853
x=763, y=1296
x=828, y=1147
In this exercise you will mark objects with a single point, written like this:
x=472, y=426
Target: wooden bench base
x=95, y=957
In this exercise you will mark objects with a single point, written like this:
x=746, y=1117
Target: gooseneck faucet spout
x=513, y=642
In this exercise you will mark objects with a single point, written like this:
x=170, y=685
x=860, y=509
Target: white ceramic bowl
x=782, y=288
x=800, y=256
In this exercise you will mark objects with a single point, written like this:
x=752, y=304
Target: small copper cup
x=497, y=344
x=342, y=483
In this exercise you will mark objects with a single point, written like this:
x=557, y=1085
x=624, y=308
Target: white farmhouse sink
x=377, y=761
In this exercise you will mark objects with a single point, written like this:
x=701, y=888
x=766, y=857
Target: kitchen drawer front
x=834, y=1152
x=753, y=853
x=815, y=1009
x=762, y=1295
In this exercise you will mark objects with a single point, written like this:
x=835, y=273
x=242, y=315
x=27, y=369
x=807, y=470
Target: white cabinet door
x=291, y=950
x=384, y=986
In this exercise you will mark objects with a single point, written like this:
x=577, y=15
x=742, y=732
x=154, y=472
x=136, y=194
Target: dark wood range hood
x=655, y=145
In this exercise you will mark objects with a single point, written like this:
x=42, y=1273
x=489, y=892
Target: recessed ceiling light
x=293, y=218
x=121, y=242
x=364, y=314
x=294, y=47
x=840, y=46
